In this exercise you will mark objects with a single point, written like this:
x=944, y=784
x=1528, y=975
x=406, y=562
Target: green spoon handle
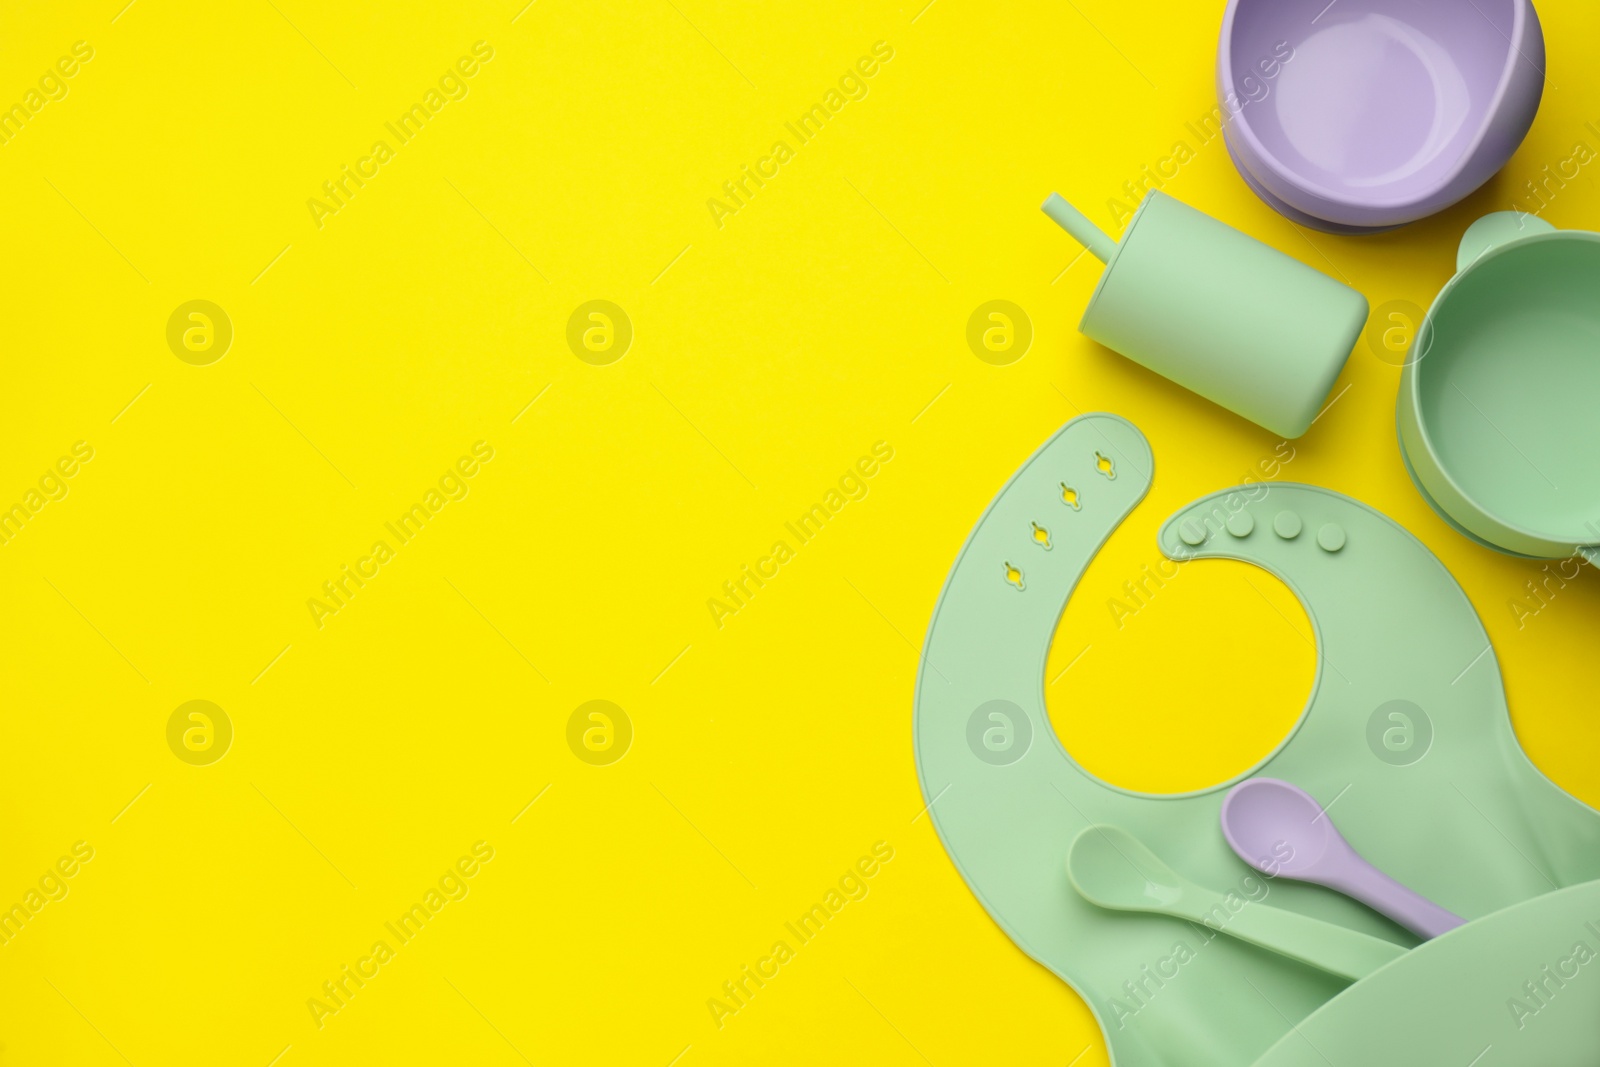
x=1323, y=945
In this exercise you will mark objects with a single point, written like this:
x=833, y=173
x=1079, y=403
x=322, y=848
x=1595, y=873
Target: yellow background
x=769, y=354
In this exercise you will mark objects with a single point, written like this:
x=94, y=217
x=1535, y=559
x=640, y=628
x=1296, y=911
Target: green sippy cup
x=1217, y=311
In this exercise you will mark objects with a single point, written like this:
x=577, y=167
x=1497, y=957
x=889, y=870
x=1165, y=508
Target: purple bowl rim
x=1257, y=150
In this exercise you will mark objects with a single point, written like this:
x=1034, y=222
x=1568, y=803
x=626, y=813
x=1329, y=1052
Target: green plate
x=1518, y=988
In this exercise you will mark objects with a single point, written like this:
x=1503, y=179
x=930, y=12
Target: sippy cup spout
x=1077, y=223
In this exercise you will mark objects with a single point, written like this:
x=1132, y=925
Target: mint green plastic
x=1218, y=312
x=1406, y=725
x=1111, y=868
x=1501, y=387
x=1075, y=222
x=1508, y=990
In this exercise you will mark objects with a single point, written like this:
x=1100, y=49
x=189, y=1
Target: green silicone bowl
x=1502, y=385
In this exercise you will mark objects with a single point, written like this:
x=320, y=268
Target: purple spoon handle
x=1356, y=878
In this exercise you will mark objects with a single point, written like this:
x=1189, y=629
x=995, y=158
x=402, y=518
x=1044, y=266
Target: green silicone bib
x=1406, y=725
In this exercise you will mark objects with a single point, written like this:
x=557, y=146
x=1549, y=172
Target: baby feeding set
x=1396, y=883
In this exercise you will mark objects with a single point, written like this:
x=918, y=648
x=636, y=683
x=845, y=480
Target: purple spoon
x=1279, y=829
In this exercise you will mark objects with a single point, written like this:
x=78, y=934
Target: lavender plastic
x=1279, y=829
x=1383, y=112
x=1294, y=214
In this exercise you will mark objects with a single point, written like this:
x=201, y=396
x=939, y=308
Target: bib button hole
x=1104, y=465
x=1013, y=575
x=1069, y=497
x=1041, y=537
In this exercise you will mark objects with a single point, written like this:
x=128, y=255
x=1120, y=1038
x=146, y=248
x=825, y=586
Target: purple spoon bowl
x=1375, y=113
x=1280, y=829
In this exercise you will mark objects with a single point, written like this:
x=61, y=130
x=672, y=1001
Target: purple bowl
x=1367, y=114
x=1290, y=213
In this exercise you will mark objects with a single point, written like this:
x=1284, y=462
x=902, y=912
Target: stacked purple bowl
x=1362, y=115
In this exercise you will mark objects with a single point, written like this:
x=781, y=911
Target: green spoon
x=1110, y=867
